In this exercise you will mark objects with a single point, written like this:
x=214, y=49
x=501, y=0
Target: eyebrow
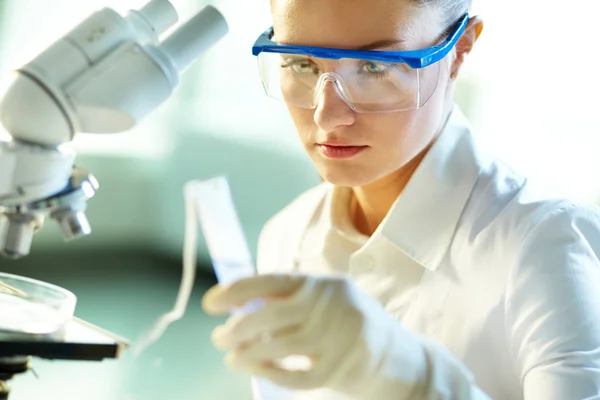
x=381, y=44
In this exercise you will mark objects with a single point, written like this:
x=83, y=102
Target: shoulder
x=536, y=213
x=509, y=218
x=562, y=225
x=506, y=203
x=284, y=229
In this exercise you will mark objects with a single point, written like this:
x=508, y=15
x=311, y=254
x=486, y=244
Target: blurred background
x=530, y=89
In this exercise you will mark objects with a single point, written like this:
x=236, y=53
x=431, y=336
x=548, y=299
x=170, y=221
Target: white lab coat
x=474, y=258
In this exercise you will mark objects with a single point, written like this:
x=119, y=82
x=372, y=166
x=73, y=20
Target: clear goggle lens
x=366, y=86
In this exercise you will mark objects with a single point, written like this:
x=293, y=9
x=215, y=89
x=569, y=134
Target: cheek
x=303, y=120
x=391, y=133
x=397, y=138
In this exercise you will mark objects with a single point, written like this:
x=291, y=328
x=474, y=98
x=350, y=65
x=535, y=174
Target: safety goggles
x=369, y=81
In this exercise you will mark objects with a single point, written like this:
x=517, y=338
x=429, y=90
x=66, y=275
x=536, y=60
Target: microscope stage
x=80, y=341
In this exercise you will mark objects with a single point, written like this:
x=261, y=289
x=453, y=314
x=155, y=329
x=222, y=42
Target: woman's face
x=385, y=142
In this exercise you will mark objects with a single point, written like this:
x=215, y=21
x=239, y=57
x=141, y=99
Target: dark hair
x=452, y=10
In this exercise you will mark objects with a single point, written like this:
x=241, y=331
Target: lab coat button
x=368, y=263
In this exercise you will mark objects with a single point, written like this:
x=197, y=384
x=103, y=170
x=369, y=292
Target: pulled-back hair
x=451, y=10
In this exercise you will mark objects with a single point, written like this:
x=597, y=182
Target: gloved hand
x=355, y=347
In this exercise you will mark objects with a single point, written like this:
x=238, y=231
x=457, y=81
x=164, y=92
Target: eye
x=374, y=68
x=302, y=67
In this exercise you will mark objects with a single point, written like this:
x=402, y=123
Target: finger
x=222, y=299
x=275, y=316
x=292, y=344
x=206, y=299
x=220, y=344
x=216, y=340
x=220, y=333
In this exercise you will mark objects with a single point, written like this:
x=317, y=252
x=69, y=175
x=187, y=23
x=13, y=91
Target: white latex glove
x=355, y=347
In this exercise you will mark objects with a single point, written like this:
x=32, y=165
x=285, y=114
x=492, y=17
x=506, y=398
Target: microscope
x=104, y=76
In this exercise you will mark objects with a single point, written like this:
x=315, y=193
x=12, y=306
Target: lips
x=340, y=151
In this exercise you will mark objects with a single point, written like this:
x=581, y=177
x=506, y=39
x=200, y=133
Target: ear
x=465, y=44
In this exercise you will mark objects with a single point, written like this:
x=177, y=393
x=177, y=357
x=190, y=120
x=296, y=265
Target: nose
x=332, y=111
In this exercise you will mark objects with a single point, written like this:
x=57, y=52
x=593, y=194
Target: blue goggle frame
x=413, y=58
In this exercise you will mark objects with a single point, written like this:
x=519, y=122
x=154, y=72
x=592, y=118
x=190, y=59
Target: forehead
x=354, y=23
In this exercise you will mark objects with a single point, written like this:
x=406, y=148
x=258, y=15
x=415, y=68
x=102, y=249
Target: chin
x=346, y=177
x=353, y=172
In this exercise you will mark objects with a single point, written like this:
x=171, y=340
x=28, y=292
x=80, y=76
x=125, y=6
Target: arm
x=552, y=315
x=553, y=307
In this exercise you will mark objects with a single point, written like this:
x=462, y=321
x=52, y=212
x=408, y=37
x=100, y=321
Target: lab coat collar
x=423, y=220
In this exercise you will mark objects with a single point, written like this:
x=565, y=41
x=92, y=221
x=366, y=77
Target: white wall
x=537, y=71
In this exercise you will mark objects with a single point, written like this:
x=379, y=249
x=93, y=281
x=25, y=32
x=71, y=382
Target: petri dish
x=33, y=308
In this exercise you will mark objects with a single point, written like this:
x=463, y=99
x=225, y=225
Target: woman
x=421, y=268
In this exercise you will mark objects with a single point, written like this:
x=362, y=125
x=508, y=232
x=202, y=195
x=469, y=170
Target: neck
x=371, y=203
